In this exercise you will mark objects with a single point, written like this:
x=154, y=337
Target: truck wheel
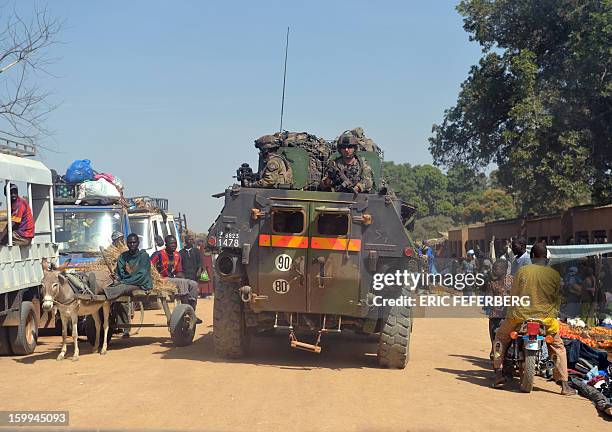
x=23, y=337
x=229, y=328
x=182, y=325
x=528, y=371
x=394, y=341
x=5, y=346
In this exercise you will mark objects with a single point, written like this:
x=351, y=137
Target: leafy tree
x=538, y=102
x=491, y=205
x=431, y=227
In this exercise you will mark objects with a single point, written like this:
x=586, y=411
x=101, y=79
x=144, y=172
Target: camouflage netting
x=318, y=150
x=112, y=253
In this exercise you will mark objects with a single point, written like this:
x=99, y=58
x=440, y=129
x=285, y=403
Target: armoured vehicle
x=304, y=261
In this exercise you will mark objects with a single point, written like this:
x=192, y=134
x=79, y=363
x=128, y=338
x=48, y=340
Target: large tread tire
x=24, y=336
x=230, y=336
x=182, y=325
x=528, y=371
x=394, y=341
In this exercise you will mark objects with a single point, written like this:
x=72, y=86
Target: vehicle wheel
x=5, y=346
x=528, y=371
x=394, y=341
x=182, y=325
x=229, y=328
x=23, y=337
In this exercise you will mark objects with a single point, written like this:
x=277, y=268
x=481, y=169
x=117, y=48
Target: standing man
x=169, y=264
x=542, y=285
x=348, y=173
x=519, y=249
x=277, y=170
x=192, y=259
x=21, y=218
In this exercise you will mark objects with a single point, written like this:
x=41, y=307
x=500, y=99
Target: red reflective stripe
x=264, y=240
x=339, y=244
x=297, y=242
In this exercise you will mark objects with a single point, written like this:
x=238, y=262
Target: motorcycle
x=526, y=356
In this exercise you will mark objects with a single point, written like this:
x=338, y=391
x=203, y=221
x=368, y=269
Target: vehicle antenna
x=284, y=80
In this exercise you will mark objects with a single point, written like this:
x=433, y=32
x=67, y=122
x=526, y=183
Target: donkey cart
x=180, y=321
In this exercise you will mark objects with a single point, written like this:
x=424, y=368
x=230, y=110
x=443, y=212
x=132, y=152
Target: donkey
x=57, y=292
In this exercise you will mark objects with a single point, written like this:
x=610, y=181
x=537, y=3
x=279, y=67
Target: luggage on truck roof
x=147, y=204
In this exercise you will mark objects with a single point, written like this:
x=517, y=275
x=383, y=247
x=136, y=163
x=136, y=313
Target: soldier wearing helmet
x=277, y=170
x=348, y=173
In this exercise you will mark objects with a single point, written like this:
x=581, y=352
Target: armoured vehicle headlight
x=225, y=264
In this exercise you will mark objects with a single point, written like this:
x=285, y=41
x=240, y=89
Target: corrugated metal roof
x=20, y=169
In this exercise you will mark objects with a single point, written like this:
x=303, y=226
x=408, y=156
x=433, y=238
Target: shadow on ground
x=483, y=376
x=339, y=351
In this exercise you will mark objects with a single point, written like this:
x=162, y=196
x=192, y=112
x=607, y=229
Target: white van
x=151, y=226
x=21, y=271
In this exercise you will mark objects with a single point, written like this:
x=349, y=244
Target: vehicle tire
x=394, y=341
x=5, y=346
x=23, y=337
x=182, y=325
x=229, y=327
x=528, y=371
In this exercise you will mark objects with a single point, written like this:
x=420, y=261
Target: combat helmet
x=347, y=140
x=267, y=143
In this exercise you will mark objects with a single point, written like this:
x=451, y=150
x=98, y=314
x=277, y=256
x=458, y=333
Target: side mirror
x=159, y=241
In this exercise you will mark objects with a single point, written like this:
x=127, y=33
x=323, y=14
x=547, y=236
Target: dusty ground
x=146, y=383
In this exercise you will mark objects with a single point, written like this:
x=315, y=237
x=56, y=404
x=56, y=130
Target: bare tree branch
x=23, y=54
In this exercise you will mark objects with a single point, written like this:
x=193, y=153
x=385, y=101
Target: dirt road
x=146, y=383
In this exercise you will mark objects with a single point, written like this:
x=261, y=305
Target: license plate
x=228, y=239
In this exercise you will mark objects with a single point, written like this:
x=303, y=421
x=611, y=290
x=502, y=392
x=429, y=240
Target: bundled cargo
x=98, y=192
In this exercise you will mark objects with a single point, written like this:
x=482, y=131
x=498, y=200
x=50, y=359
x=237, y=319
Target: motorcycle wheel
x=528, y=371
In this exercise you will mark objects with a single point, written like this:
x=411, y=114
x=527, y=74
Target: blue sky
x=169, y=96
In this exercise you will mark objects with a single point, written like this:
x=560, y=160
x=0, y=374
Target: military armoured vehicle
x=303, y=262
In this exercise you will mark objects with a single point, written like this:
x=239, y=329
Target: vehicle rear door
x=282, y=253
x=333, y=261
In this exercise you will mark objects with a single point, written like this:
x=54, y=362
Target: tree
x=431, y=227
x=491, y=205
x=538, y=102
x=23, y=48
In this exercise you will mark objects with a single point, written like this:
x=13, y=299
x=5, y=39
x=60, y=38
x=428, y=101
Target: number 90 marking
x=283, y=262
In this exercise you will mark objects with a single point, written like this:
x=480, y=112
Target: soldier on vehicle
x=277, y=170
x=348, y=173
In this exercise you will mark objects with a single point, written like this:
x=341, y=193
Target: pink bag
x=106, y=176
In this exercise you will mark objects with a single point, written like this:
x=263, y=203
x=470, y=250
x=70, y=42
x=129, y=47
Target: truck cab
x=150, y=220
x=80, y=230
x=21, y=269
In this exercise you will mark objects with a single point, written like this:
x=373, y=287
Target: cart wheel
x=23, y=337
x=182, y=325
x=5, y=347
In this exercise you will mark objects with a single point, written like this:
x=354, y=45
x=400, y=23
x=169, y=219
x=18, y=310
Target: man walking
x=192, y=259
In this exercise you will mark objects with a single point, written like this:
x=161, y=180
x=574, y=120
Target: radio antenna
x=284, y=80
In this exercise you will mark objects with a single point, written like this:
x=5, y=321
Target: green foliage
x=460, y=196
x=430, y=227
x=538, y=102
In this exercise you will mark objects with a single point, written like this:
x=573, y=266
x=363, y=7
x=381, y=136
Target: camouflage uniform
x=277, y=170
x=358, y=172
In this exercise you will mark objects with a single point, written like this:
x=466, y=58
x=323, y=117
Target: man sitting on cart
x=169, y=264
x=133, y=271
